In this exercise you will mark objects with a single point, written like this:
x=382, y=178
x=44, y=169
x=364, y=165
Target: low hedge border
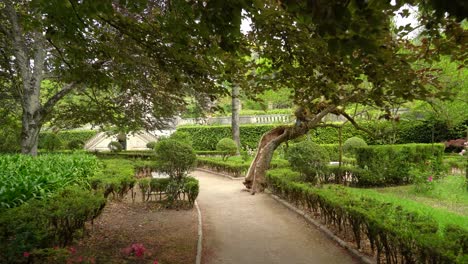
x=396, y=234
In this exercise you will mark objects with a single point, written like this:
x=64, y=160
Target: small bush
x=115, y=146
x=151, y=144
x=52, y=142
x=76, y=144
x=175, y=158
x=227, y=146
x=351, y=144
x=308, y=158
x=183, y=137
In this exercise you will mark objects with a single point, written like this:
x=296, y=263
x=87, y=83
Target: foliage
x=182, y=137
x=235, y=166
x=206, y=137
x=308, y=158
x=391, y=164
x=227, y=146
x=353, y=143
x=23, y=178
x=116, y=177
x=75, y=144
x=67, y=136
x=115, y=146
x=151, y=144
x=175, y=158
x=173, y=190
x=51, y=142
x=52, y=221
x=393, y=226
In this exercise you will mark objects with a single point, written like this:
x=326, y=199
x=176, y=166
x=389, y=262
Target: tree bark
x=255, y=179
x=235, y=117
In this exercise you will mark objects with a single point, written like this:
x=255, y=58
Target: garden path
x=250, y=229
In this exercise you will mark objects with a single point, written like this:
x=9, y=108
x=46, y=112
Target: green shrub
x=115, y=146
x=183, y=137
x=52, y=142
x=396, y=229
x=53, y=221
x=175, y=158
x=24, y=177
x=76, y=144
x=227, y=146
x=151, y=144
x=353, y=143
x=308, y=158
x=391, y=164
x=67, y=136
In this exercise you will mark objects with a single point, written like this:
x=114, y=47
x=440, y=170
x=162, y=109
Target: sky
x=399, y=20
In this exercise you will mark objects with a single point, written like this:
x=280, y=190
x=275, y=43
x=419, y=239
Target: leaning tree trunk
x=270, y=141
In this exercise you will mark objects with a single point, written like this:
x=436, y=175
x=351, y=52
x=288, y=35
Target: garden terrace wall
x=396, y=234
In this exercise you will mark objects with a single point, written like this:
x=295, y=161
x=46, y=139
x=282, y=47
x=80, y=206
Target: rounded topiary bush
x=52, y=142
x=76, y=144
x=115, y=146
x=227, y=146
x=308, y=158
x=352, y=144
x=175, y=158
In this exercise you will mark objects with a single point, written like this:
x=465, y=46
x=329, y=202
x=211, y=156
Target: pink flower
x=26, y=254
x=429, y=179
x=155, y=261
x=138, y=249
x=72, y=250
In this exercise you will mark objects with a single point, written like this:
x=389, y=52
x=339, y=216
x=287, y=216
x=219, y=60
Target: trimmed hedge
x=46, y=223
x=66, y=136
x=392, y=164
x=206, y=137
x=397, y=233
x=235, y=167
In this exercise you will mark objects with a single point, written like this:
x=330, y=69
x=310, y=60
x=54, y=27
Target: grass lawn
x=448, y=193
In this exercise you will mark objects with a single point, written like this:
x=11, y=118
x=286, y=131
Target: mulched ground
x=165, y=235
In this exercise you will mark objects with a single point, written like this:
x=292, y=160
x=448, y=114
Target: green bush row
x=157, y=187
x=396, y=164
x=397, y=234
x=50, y=222
x=65, y=137
x=206, y=137
x=24, y=177
x=235, y=166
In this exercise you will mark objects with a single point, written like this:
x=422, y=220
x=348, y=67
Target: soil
x=167, y=235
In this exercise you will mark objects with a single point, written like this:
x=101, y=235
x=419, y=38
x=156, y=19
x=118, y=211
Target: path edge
x=200, y=235
x=325, y=230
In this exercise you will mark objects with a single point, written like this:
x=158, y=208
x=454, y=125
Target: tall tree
x=128, y=59
x=336, y=53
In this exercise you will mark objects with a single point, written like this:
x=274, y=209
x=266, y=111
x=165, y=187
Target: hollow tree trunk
x=270, y=141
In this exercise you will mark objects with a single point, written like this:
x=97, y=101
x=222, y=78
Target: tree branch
x=356, y=125
x=47, y=108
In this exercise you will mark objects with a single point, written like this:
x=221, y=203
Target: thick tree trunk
x=270, y=141
x=235, y=116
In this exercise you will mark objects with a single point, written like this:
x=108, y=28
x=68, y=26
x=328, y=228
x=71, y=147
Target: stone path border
x=363, y=258
x=200, y=235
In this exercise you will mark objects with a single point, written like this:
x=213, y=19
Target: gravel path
x=240, y=228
